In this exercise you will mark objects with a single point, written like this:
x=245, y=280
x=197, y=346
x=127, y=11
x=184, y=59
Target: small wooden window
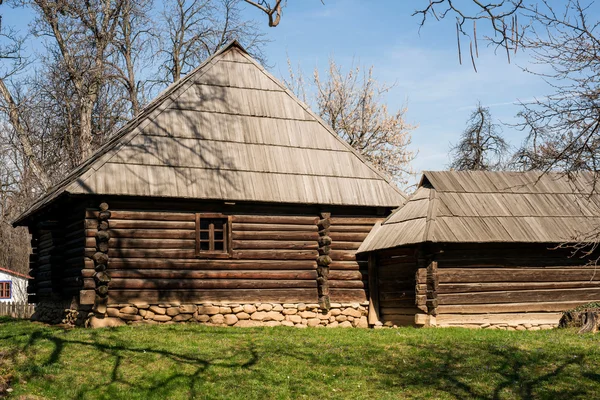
x=5, y=290
x=213, y=235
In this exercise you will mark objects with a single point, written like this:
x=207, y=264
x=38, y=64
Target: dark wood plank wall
x=33, y=265
x=397, y=269
x=73, y=251
x=44, y=261
x=513, y=278
x=57, y=256
x=273, y=259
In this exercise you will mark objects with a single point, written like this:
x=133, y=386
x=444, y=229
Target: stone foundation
x=346, y=315
x=343, y=315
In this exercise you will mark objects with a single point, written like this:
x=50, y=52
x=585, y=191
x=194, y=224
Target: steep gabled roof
x=229, y=130
x=478, y=207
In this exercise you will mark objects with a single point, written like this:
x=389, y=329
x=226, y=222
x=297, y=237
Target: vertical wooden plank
x=373, y=315
x=211, y=236
x=197, y=233
x=229, y=239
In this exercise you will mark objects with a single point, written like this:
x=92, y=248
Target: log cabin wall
x=511, y=285
x=152, y=259
x=46, y=240
x=56, y=263
x=73, y=252
x=272, y=258
x=396, y=272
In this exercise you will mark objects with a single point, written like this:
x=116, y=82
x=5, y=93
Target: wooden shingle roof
x=480, y=207
x=229, y=130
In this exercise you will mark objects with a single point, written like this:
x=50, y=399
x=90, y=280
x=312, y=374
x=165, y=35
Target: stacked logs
x=323, y=261
x=100, y=258
x=432, y=288
x=427, y=283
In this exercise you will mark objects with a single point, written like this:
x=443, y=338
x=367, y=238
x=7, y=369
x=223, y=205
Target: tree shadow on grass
x=187, y=368
x=495, y=372
x=484, y=371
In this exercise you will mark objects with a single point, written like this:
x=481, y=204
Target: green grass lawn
x=191, y=361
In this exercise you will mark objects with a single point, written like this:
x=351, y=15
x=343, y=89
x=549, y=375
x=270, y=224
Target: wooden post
x=373, y=316
x=323, y=261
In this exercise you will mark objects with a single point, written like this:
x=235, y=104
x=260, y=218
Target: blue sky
x=423, y=64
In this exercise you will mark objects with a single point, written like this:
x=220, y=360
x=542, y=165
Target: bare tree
x=564, y=126
x=500, y=19
x=194, y=30
x=273, y=11
x=12, y=63
x=83, y=33
x=16, y=184
x=481, y=146
x=353, y=105
x=134, y=43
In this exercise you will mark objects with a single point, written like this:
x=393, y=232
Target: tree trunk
x=132, y=89
x=85, y=129
x=590, y=320
x=27, y=148
x=587, y=319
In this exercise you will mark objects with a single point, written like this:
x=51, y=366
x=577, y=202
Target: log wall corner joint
x=426, y=288
x=323, y=260
x=100, y=258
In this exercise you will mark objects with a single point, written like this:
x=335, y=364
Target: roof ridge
x=318, y=119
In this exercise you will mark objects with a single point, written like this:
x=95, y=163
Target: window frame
x=2, y=285
x=227, y=241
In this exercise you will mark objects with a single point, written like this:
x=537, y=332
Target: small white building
x=13, y=286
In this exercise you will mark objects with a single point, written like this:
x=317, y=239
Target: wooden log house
x=226, y=191
x=486, y=249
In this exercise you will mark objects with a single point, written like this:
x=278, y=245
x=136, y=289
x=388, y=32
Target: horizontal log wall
x=397, y=270
x=510, y=280
x=348, y=276
x=152, y=258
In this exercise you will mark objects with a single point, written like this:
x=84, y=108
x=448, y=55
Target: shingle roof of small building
x=229, y=130
x=478, y=206
x=14, y=273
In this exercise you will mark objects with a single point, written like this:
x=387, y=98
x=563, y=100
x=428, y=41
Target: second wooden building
x=481, y=249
